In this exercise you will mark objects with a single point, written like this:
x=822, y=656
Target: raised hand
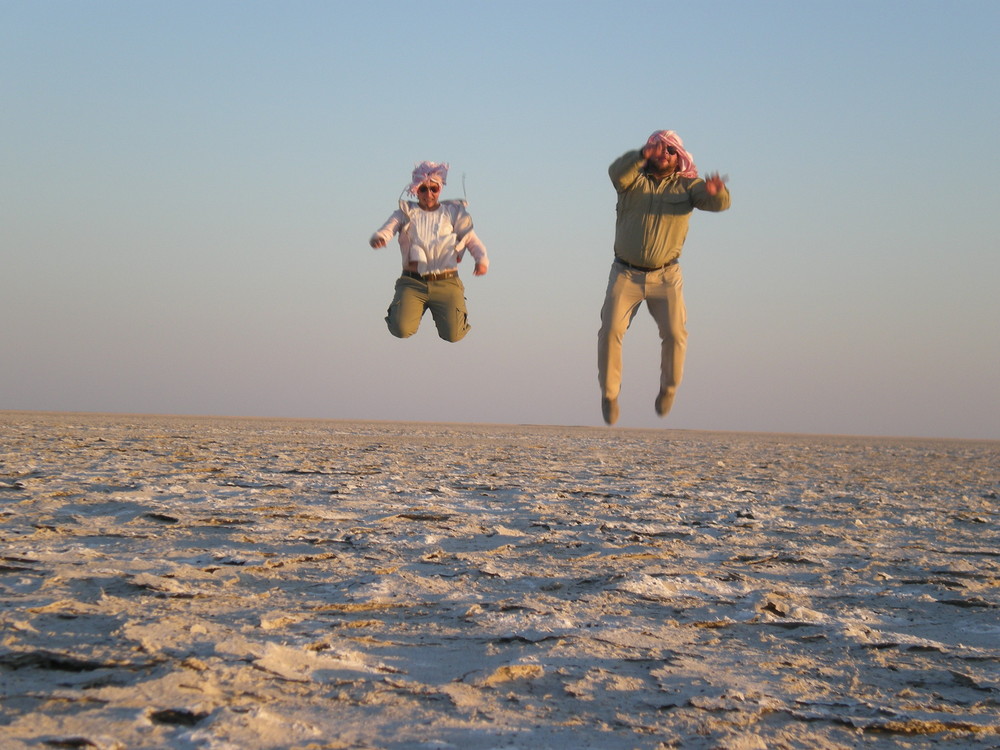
x=715, y=183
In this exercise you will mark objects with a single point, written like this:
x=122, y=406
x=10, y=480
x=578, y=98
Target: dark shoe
x=664, y=402
x=609, y=408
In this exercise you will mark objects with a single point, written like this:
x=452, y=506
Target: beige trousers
x=663, y=293
x=444, y=298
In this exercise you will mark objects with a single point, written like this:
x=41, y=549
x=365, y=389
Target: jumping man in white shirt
x=433, y=237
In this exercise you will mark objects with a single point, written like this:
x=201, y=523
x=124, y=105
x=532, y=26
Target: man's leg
x=447, y=304
x=621, y=302
x=665, y=300
x=407, y=307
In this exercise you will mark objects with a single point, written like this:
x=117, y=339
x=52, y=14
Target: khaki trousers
x=663, y=293
x=444, y=298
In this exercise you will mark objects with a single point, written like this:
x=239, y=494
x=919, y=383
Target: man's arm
x=469, y=240
x=387, y=230
x=710, y=193
x=625, y=169
x=477, y=249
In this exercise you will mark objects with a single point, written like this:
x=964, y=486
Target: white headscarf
x=428, y=171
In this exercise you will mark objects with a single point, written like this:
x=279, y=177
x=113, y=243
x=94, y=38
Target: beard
x=659, y=168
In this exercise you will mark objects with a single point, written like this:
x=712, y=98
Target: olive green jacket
x=653, y=215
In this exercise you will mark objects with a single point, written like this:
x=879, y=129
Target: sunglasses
x=429, y=189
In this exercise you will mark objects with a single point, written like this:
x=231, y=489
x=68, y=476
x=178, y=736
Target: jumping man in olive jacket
x=658, y=189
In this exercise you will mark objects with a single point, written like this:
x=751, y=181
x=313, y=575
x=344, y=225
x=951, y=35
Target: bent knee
x=453, y=327
x=401, y=332
x=453, y=336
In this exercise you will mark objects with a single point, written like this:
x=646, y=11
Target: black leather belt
x=431, y=276
x=643, y=268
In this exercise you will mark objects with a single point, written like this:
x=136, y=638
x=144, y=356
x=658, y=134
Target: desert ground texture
x=229, y=584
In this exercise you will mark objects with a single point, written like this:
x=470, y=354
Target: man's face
x=663, y=160
x=427, y=195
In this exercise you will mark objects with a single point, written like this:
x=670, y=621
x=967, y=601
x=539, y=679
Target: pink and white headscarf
x=685, y=162
x=428, y=171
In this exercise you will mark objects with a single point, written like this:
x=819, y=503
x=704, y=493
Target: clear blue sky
x=187, y=190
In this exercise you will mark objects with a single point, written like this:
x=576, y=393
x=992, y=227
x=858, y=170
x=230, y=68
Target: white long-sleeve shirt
x=434, y=240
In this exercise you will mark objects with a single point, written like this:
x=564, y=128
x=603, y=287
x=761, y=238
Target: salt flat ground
x=172, y=582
